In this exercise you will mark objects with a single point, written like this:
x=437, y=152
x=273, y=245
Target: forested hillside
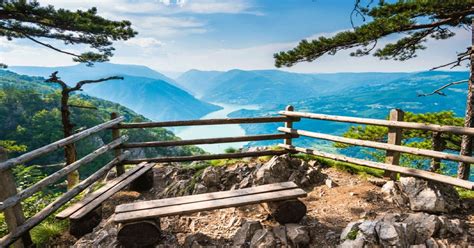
x=30, y=117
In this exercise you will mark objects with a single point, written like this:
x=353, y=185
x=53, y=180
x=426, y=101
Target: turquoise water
x=214, y=131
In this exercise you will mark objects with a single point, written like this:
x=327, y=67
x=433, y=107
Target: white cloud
x=144, y=42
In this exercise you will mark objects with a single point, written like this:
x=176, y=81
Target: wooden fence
x=393, y=146
x=19, y=226
x=11, y=198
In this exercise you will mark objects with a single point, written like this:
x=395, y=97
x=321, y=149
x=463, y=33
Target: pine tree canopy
x=20, y=19
x=417, y=19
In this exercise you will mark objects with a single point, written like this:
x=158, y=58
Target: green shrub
x=230, y=150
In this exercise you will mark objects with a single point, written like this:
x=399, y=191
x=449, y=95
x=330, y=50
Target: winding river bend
x=214, y=131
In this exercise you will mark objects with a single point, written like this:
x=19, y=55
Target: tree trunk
x=69, y=150
x=466, y=144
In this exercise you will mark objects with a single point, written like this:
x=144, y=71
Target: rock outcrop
x=422, y=195
x=403, y=230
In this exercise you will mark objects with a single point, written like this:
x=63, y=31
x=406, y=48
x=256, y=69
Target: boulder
x=394, y=194
x=263, y=239
x=429, y=196
x=244, y=235
x=199, y=189
x=275, y=170
x=402, y=230
x=197, y=240
x=211, y=176
x=280, y=235
x=297, y=235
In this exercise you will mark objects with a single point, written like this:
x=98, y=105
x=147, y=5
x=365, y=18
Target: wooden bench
x=139, y=222
x=87, y=213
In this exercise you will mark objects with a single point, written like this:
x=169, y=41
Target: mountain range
x=143, y=90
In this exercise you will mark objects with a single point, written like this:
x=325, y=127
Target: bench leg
x=86, y=224
x=289, y=211
x=145, y=233
x=143, y=182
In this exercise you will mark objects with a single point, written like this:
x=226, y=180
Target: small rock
x=275, y=170
x=263, y=239
x=199, y=189
x=377, y=181
x=330, y=183
x=211, y=176
x=197, y=240
x=352, y=193
x=280, y=235
x=244, y=235
x=298, y=235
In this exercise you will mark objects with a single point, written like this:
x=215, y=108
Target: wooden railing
x=393, y=146
x=11, y=198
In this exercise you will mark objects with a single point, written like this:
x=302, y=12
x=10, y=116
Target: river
x=214, y=131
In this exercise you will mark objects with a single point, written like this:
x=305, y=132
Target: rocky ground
x=344, y=210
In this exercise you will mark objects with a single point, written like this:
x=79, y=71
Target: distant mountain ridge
x=143, y=90
x=270, y=87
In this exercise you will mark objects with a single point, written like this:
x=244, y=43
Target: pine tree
x=22, y=19
x=418, y=20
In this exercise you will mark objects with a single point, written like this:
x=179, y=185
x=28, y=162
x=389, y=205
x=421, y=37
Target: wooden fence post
x=14, y=216
x=117, y=151
x=395, y=138
x=288, y=124
x=438, y=145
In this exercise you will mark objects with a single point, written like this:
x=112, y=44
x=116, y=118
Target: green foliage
x=411, y=138
x=352, y=235
x=45, y=231
x=21, y=19
x=465, y=193
x=417, y=19
x=30, y=117
x=230, y=150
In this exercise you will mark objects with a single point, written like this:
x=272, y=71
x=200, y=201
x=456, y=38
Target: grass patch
x=465, y=193
x=45, y=231
x=352, y=168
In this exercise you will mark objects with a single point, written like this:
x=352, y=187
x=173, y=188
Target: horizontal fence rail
x=385, y=123
x=207, y=141
x=13, y=200
x=207, y=157
x=395, y=168
x=378, y=145
x=206, y=122
x=58, y=144
x=56, y=204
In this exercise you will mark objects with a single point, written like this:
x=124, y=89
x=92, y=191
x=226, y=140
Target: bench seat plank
x=203, y=197
x=80, y=204
x=116, y=188
x=209, y=205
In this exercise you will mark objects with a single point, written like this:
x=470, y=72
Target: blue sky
x=178, y=35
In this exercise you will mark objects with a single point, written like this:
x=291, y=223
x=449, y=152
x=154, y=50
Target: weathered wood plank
x=56, y=204
x=395, y=168
x=203, y=197
x=80, y=204
x=117, y=151
x=206, y=157
x=209, y=205
x=97, y=201
x=60, y=174
x=386, y=123
x=384, y=146
x=60, y=143
x=288, y=124
x=394, y=137
x=205, y=122
x=14, y=216
x=206, y=141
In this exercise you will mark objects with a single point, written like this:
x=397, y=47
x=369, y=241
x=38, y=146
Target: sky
x=179, y=35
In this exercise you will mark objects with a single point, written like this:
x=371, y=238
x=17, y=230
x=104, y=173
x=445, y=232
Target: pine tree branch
x=439, y=90
x=55, y=79
x=84, y=82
